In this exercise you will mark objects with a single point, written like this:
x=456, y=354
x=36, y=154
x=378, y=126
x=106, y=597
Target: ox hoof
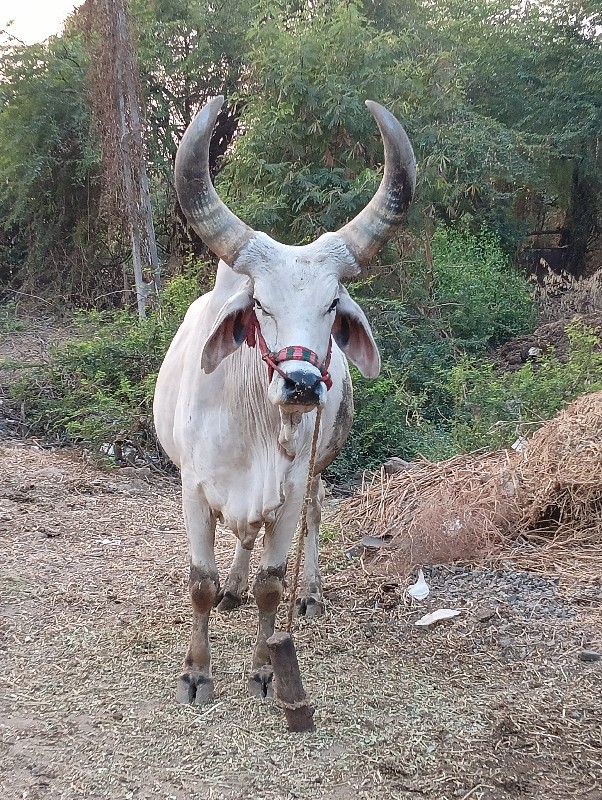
x=260, y=682
x=309, y=607
x=197, y=690
x=228, y=601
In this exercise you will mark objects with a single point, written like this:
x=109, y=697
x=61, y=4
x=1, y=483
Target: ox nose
x=302, y=388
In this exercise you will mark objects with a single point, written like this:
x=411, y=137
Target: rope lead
x=302, y=532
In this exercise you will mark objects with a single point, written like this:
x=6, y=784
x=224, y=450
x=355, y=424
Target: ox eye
x=259, y=307
x=334, y=304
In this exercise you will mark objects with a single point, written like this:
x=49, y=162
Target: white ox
x=239, y=426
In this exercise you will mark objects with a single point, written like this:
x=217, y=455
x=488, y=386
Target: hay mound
x=561, y=469
x=472, y=507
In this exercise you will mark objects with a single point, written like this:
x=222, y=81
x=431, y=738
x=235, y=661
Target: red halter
x=292, y=353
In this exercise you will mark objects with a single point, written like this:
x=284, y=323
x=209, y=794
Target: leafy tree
x=188, y=53
x=497, y=139
x=306, y=162
x=49, y=168
x=537, y=70
x=300, y=168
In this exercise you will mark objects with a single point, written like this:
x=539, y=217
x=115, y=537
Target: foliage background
x=503, y=103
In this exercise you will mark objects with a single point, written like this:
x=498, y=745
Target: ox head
x=294, y=300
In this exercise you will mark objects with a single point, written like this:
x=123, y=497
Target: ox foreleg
x=267, y=590
x=309, y=603
x=195, y=684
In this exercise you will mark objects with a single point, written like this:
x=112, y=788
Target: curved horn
x=221, y=230
x=371, y=228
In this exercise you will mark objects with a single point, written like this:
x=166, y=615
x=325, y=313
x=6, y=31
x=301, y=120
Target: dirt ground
x=95, y=622
x=494, y=704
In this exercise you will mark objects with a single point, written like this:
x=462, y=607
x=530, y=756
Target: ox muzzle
x=298, y=389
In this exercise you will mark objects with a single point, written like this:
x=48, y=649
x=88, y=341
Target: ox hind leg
x=310, y=603
x=195, y=684
x=237, y=583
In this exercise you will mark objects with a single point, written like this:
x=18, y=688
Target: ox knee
x=268, y=588
x=203, y=586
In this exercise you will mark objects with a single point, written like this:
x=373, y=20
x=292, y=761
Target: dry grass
x=95, y=622
x=561, y=469
x=540, y=508
x=435, y=512
x=561, y=295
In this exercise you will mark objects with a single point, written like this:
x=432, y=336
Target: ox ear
x=351, y=331
x=229, y=330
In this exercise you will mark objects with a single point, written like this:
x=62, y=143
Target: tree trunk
x=116, y=105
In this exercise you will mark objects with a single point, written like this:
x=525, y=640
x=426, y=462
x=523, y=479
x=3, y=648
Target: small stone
x=485, y=614
x=117, y=715
x=505, y=642
x=589, y=655
x=395, y=464
x=369, y=631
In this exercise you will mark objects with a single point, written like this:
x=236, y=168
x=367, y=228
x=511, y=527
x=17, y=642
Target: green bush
x=388, y=422
x=491, y=409
x=426, y=321
x=431, y=397
x=483, y=300
x=98, y=387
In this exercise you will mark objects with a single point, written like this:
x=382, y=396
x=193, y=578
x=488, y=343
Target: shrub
x=469, y=300
x=388, y=422
x=483, y=300
x=492, y=409
x=98, y=387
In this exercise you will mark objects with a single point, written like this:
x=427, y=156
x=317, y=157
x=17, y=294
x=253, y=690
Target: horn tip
x=209, y=111
x=380, y=113
x=214, y=106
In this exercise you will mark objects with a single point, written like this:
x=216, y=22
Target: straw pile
x=561, y=469
x=532, y=506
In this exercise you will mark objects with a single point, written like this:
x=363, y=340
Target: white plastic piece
x=420, y=589
x=437, y=616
